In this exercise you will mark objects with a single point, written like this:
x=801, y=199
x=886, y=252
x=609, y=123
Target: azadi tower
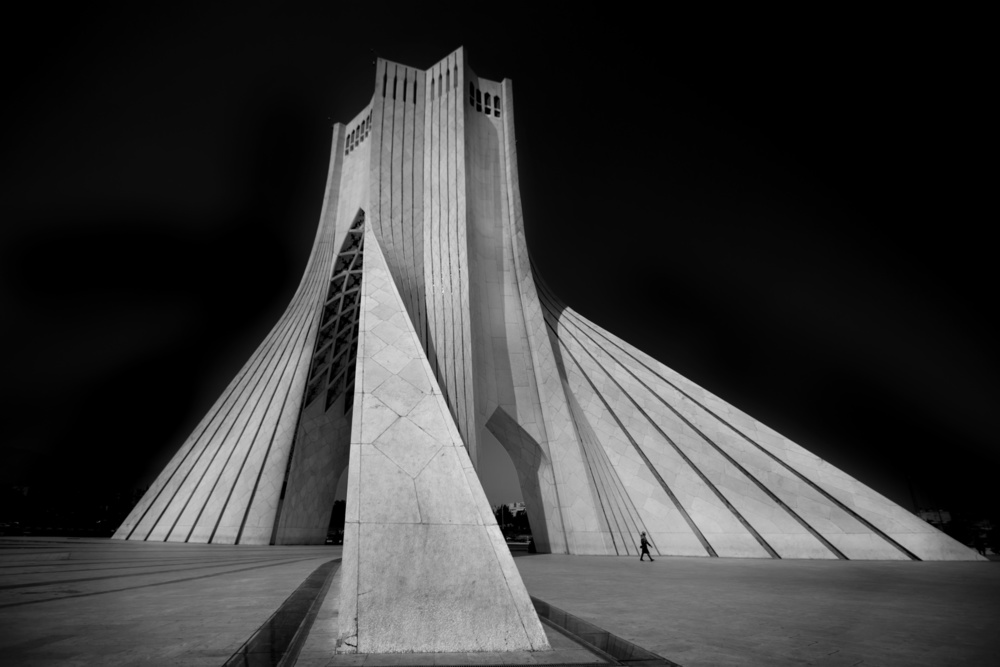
x=421, y=331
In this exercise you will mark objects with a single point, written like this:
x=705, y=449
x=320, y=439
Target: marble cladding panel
x=826, y=499
x=177, y=489
x=731, y=478
x=252, y=456
x=659, y=514
x=430, y=271
x=189, y=451
x=406, y=179
x=701, y=502
x=813, y=468
x=468, y=423
x=215, y=479
x=446, y=350
x=624, y=523
x=380, y=217
x=183, y=503
x=392, y=237
x=204, y=489
x=458, y=261
x=412, y=495
x=321, y=450
x=934, y=545
x=419, y=204
x=254, y=494
x=435, y=237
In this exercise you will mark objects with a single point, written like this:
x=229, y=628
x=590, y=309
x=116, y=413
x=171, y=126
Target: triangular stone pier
x=425, y=566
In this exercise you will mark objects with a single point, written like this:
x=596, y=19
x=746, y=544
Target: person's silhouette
x=644, y=543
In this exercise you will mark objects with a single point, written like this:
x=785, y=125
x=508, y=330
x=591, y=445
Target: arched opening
x=533, y=470
x=502, y=485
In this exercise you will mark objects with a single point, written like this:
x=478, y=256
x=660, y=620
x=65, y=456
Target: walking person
x=644, y=543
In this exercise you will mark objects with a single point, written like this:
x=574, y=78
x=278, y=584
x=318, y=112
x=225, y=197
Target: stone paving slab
x=102, y=602
x=126, y=603
x=725, y=611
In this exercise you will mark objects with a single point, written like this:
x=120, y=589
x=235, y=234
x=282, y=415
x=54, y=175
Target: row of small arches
x=482, y=101
x=444, y=83
x=395, y=86
x=358, y=134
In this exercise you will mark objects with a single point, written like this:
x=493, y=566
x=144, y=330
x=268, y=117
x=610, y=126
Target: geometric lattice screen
x=336, y=354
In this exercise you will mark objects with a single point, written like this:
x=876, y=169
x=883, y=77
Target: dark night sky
x=790, y=210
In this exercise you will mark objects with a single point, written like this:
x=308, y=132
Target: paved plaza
x=70, y=601
x=702, y=612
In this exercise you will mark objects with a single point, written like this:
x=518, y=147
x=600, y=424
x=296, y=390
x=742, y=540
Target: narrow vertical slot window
x=487, y=105
x=472, y=95
x=385, y=80
x=448, y=78
x=414, y=91
x=479, y=100
x=456, y=77
x=432, y=88
x=496, y=106
x=395, y=81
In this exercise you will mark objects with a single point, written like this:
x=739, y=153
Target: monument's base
x=197, y=605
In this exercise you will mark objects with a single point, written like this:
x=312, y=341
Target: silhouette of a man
x=644, y=543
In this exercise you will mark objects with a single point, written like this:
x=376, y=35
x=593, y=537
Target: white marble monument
x=419, y=333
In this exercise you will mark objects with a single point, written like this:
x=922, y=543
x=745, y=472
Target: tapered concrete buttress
x=425, y=567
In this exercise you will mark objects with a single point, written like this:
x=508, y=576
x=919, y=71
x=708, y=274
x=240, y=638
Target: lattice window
x=335, y=355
